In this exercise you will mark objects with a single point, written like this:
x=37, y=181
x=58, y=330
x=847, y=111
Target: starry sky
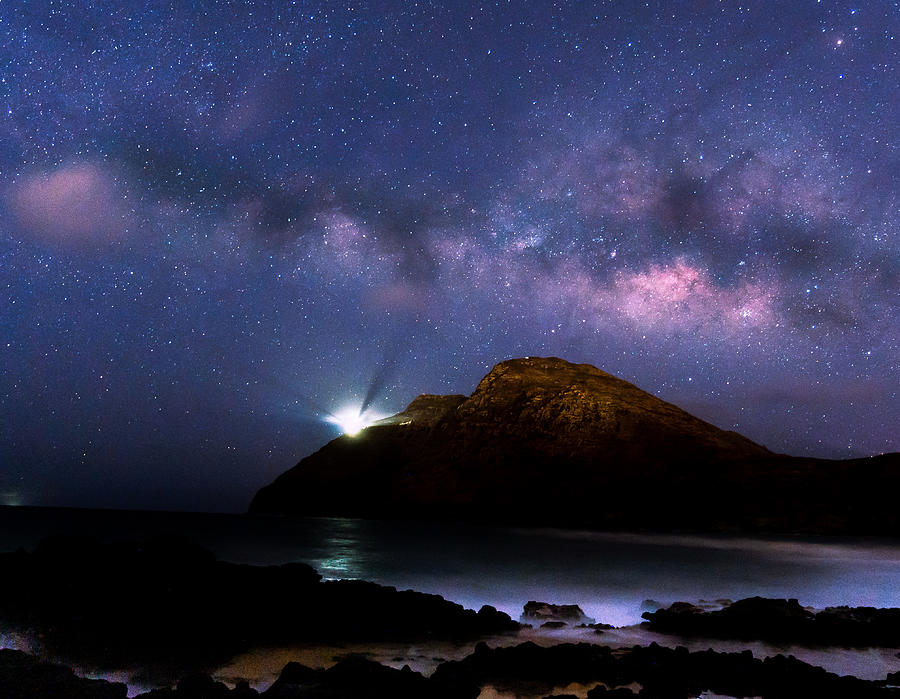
x=222, y=221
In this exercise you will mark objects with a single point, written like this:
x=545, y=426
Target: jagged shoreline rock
x=542, y=613
x=765, y=619
x=542, y=441
x=661, y=672
x=525, y=670
x=24, y=676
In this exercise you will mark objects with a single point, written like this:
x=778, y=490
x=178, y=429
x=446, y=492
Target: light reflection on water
x=340, y=554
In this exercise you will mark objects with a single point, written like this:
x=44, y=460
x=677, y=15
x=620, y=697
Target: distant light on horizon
x=11, y=499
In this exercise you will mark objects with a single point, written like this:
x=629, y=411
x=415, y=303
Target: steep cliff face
x=544, y=441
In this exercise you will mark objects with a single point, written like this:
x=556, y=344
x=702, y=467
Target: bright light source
x=351, y=422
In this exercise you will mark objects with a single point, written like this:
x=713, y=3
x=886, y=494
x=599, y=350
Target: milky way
x=220, y=222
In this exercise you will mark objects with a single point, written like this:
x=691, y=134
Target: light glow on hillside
x=351, y=421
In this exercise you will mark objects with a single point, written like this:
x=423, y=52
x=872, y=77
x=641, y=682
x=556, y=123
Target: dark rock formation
x=554, y=625
x=295, y=674
x=604, y=692
x=544, y=612
x=198, y=686
x=169, y=601
x=360, y=678
x=526, y=669
x=351, y=677
x=893, y=678
x=782, y=620
x=543, y=441
x=24, y=676
x=530, y=665
x=661, y=672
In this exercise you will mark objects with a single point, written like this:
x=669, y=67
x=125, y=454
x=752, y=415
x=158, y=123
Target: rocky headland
x=542, y=441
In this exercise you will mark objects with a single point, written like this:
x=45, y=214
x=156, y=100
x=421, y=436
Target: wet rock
x=490, y=618
x=603, y=692
x=292, y=680
x=200, y=686
x=297, y=673
x=782, y=620
x=243, y=690
x=548, y=667
x=860, y=626
x=24, y=676
x=541, y=612
x=893, y=678
x=360, y=678
x=661, y=672
x=390, y=614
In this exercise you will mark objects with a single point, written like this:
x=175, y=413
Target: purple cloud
x=75, y=205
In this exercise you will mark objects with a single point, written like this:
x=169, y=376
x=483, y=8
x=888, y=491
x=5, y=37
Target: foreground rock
x=523, y=670
x=199, y=686
x=782, y=620
x=353, y=677
x=359, y=678
x=528, y=669
x=24, y=676
x=168, y=600
x=588, y=447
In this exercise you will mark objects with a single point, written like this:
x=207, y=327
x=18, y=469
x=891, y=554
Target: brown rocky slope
x=542, y=441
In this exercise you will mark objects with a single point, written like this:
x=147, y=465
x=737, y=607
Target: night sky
x=220, y=221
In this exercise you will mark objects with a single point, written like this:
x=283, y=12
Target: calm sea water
x=611, y=576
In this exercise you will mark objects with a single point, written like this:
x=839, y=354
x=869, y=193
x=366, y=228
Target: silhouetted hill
x=542, y=441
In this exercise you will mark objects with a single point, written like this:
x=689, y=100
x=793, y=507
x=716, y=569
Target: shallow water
x=611, y=576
